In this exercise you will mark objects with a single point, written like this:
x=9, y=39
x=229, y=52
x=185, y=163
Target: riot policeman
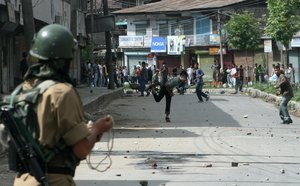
x=60, y=116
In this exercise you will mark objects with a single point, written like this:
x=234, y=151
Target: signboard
x=295, y=42
x=214, y=39
x=267, y=45
x=213, y=51
x=181, y=43
x=216, y=51
x=173, y=45
x=147, y=41
x=101, y=23
x=131, y=41
x=158, y=44
x=202, y=39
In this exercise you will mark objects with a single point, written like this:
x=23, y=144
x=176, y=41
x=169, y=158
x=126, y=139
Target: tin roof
x=181, y=5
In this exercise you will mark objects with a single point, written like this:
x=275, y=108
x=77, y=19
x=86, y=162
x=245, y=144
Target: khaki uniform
x=60, y=116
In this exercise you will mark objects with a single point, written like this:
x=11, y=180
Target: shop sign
x=216, y=51
x=173, y=45
x=147, y=41
x=268, y=45
x=295, y=42
x=158, y=44
x=214, y=39
x=131, y=41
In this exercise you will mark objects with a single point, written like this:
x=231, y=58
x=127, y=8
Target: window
x=163, y=29
x=188, y=27
x=203, y=25
x=173, y=27
x=140, y=29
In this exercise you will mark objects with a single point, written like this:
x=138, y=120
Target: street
x=229, y=140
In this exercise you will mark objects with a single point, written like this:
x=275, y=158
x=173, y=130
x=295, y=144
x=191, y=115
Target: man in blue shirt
x=199, y=84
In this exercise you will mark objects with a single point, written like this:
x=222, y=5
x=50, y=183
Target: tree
x=283, y=21
x=243, y=32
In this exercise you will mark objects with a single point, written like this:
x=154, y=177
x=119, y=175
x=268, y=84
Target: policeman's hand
x=104, y=124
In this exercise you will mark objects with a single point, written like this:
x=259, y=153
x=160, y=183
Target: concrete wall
x=52, y=11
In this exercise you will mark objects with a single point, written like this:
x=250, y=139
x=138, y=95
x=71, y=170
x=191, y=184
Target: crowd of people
x=238, y=76
x=233, y=76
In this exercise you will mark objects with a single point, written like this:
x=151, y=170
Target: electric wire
x=165, y=28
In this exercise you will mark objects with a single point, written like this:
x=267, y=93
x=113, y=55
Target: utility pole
x=29, y=27
x=108, y=56
x=220, y=33
x=76, y=67
x=92, y=31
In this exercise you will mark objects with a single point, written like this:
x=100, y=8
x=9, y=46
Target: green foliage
x=265, y=88
x=297, y=95
x=243, y=31
x=283, y=21
x=271, y=90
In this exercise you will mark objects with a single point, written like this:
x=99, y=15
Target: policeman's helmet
x=53, y=42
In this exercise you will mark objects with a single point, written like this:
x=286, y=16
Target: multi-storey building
x=194, y=26
x=12, y=38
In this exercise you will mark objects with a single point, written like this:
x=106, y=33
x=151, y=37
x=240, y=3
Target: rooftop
x=165, y=6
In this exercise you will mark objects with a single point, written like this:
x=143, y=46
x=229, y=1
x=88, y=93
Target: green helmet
x=53, y=42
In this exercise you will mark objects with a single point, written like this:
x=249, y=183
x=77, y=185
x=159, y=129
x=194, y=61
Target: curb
x=293, y=106
x=102, y=101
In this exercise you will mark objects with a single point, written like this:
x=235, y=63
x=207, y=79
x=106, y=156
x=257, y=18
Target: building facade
x=12, y=38
x=200, y=24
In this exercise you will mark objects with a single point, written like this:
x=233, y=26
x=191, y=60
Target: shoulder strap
x=14, y=94
x=43, y=86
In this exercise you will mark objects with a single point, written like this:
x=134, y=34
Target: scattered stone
x=208, y=165
x=144, y=183
x=234, y=164
x=282, y=171
x=245, y=116
x=127, y=151
x=249, y=133
x=272, y=135
x=267, y=179
x=125, y=156
x=118, y=174
x=154, y=165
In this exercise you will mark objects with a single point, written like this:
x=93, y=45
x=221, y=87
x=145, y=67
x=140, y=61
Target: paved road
x=199, y=146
